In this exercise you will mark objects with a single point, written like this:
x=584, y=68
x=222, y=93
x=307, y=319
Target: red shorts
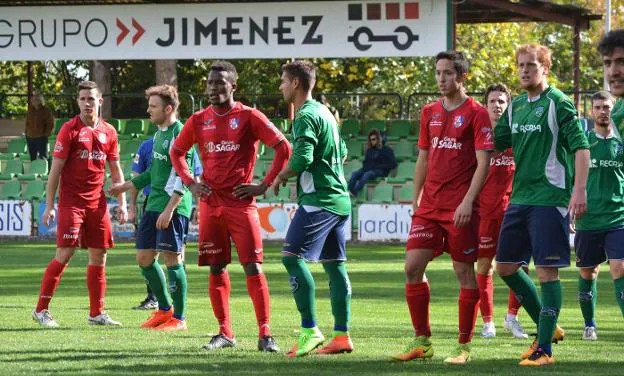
x=434, y=229
x=488, y=237
x=92, y=226
x=217, y=224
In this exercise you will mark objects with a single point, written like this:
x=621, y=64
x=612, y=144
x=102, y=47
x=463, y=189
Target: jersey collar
x=537, y=97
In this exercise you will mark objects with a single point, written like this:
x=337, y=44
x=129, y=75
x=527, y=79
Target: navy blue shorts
x=593, y=247
x=541, y=232
x=172, y=239
x=317, y=236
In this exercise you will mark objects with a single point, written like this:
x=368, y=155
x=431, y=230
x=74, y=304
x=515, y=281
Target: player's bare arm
x=134, y=193
x=282, y=178
x=165, y=217
x=420, y=174
x=54, y=178
x=464, y=210
x=117, y=177
x=282, y=153
x=578, y=201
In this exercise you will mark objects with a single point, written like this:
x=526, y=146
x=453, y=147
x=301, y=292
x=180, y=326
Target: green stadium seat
x=354, y=218
x=355, y=149
x=281, y=124
x=404, y=150
x=383, y=193
x=259, y=170
x=350, y=167
x=126, y=168
x=399, y=129
x=11, y=190
x=13, y=168
x=268, y=154
x=133, y=128
x=150, y=128
x=350, y=128
x=374, y=124
x=16, y=149
x=128, y=149
x=405, y=172
x=35, y=190
x=406, y=194
x=58, y=123
x=107, y=184
x=415, y=129
x=36, y=169
x=116, y=123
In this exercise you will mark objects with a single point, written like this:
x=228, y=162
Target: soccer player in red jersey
x=493, y=201
x=455, y=143
x=227, y=133
x=83, y=146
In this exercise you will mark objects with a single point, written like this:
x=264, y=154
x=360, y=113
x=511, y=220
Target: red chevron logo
x=123, y=31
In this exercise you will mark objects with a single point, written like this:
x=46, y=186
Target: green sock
x=177, y=289
x=340, y=293
x=587, y=300
x=303, y=289
x=156, y=279
x=551, y=299
x=524, y=288
x=619, y=292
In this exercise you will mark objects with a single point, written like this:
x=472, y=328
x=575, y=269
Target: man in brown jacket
x=39, y=124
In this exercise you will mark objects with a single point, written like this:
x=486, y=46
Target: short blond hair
x=543, y=53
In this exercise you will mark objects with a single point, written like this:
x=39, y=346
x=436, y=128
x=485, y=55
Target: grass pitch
x=380, y=322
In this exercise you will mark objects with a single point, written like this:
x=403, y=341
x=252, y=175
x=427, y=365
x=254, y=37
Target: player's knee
x=252, y=268
x=144, y=258
x=505, y=270
x=97, y=257
x=63, y=255
x=172, y=258
x=484, y=266
x=217, y=269
x=414, y=272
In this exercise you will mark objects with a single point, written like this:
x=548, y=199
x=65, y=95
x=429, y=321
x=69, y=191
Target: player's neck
x=300, y=98
x=224, y=107
x=168, y=122
x=454, y=100
x=603, y=130
x=537, y=90
x=90, y=121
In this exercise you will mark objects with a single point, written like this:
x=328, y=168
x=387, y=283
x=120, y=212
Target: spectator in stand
x=378, y=162
x=39, y=125
x=334, y=111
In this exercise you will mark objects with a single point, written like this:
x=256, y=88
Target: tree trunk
x=166, y=72
x=101, y=74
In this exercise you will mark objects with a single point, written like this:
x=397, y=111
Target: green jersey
x=162, y=176
x=317, y=158
x=605, y=184
x=617, y=115
x=543, y=133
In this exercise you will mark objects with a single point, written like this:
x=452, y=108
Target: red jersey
x=494, y=196
x=227, y=144
x=451, y=137
x=85, y=151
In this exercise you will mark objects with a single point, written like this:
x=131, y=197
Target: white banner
x=384, y=222
x=232, y=30
x=15, y=218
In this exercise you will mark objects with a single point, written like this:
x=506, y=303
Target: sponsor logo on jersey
x=165, y=144
x=594, y=163
x=206, y=125
x=234, y=123
x=95, y=155
x=502, y=160
x=136, y=159
x=486, y=239
x=469, y=251
x=160, y=157
x=207, y=122
x=258, y=250
x=435, y=116
x=458, y=121
x=525, y=128
x=415, y=233
x=272, y=127
x=223, y=146
x=58, y=147
x=435, y=123
x=446, y=143
x=72, y=233
x=539, y=111
x=618, y=149
x=210, y=251
x=83, y=136
x=102, y=137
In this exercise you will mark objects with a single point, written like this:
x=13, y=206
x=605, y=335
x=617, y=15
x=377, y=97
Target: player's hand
x=118, y=188
x=463, y=213
x=280, y=180
x=200, y=190
x=250, y=190
x=122, y=214
x=578, y=203
x=49, y=214
x=131, y=213
x=164, y=219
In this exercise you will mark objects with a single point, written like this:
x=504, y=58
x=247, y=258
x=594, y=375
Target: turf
x=380, y=322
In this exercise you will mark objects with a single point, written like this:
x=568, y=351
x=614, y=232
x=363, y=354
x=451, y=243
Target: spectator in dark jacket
x=378, y=162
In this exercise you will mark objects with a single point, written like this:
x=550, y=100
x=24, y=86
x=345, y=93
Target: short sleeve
x=263, y=129
x=113, y=149
x=423, y=138
x=187, y=137
x=502, y=132
x=570, y=125
x=482, y=130
x=62, y=147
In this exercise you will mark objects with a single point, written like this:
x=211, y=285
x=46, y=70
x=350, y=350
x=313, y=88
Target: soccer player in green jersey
x=600, y=232
x=543, y=130
x=611, y=48
x=318, y=229
x=164, y=226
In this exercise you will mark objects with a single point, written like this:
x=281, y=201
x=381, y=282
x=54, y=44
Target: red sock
x=417, y=296
x=486, y=296
x=468, y=299
x=514, y=304
x=219, y=289
x=96, y=283
x=258, y=290
x=50, y=280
